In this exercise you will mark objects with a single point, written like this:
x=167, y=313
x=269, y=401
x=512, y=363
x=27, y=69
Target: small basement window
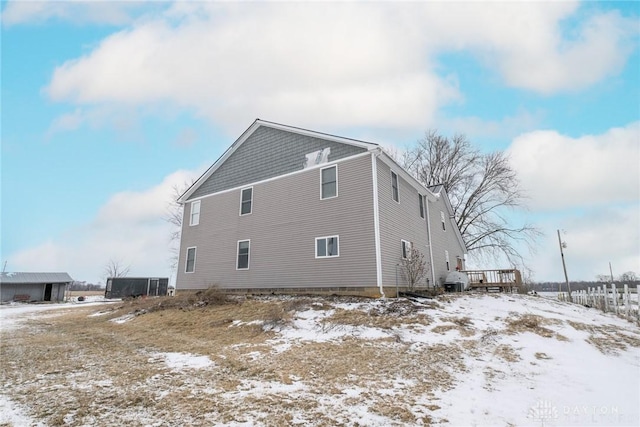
x=327, y=247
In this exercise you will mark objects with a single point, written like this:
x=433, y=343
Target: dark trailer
x=123, y=287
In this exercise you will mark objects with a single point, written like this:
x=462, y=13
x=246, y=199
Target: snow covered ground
x=514, y=360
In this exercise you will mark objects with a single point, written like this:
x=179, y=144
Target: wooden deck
x=508, y=280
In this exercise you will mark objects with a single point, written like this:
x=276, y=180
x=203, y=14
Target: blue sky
x=107, y=105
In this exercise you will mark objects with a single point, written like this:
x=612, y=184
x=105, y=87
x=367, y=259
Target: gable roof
x=439, y=190
x=35, y=278
x=252, y=129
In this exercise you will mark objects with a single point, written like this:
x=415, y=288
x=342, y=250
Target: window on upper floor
x=421, y=202
x=406, y=249
x=444, y=227
x=246, y=201
x=194, y=218
x=394, y=187
x=327, y=247
x=329, y=182
x=190, y=264
x=244, y=247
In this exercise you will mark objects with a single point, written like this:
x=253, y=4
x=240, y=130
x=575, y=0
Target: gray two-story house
x=286, y=209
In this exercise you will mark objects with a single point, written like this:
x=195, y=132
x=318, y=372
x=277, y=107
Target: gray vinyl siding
x=443, y=240
x=287, y=215
x=398, y=221
x=268, y=153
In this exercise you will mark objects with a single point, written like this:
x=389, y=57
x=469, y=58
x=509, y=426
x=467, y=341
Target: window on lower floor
x=446, y=258
x=406, y=249
x=327, y=247
x=190, y=265
x=244, y=247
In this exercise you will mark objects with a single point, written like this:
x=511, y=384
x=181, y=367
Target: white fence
x=609, y=298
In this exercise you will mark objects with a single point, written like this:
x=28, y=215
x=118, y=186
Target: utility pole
x=564, y=267
x=610, y=271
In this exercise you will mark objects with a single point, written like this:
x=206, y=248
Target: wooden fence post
x=627, y=302
x=638, y=300
x=614, y=295
x=605, y=292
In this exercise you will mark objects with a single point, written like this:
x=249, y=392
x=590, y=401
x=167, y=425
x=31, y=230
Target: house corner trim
x=376, y=220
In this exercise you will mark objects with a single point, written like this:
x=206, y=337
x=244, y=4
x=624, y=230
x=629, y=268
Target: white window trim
x=193, y=204
x=315, y=249
x=398, y=184
x=186, y=260
x=240, y=210
x=248, y=254
x=403, y=244
x=329, y=167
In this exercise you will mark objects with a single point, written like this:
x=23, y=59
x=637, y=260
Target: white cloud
x=337, y=65
x=593, y=239
x=562, y=172
x=130, y=227
x=113, y=12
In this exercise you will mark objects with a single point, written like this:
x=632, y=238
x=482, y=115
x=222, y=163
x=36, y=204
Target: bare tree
x=115, y=268
x=482, y=188
x=629, y=277
x=414, y=267
x=173, y=216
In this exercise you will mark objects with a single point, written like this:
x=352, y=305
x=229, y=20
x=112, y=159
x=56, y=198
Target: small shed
x=123, y=287
x=33, y=286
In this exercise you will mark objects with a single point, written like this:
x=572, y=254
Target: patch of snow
x=13, y=414
x=179, y=361
x=100, y=313
x=123, y=319
x=11, y=315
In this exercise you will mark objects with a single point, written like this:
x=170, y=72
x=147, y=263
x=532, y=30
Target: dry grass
x=463, y=325
x=507, y=353
x=607, y=339
x=519, y=323
x=77, y=369
x=74, y=294
x=389, y=317
x=82, y=370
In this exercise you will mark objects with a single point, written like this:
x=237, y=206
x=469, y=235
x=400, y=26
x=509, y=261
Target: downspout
x=433, y=271
x=376, y=219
